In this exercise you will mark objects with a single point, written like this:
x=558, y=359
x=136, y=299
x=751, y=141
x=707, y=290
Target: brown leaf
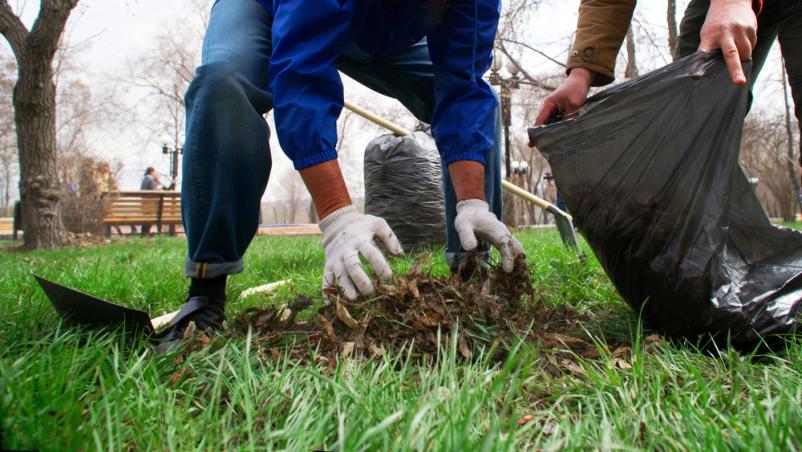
x=191, y=328
x=463, y=348
x=524, y=419
x=328, y=328
x=178, y=375
x=348, y=348
x=345, y=316
x=567, y=341
x=204, y=340
x=320, y=359
x=431, y=319
x=654, y=338
x=621, y=363
x=590, y=353
x=572, y=367
x=413, y=289
x=376, y=349
x=622, y=351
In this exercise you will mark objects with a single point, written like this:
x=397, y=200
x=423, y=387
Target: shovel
x=78, y=307
x=84, y=309
x=564, y=222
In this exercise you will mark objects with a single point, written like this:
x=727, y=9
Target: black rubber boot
x=208, y=313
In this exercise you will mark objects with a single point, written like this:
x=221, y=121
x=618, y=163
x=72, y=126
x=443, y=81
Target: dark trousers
x=226, y=155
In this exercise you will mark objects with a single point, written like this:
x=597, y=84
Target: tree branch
x=527, y=46
x=533, y=81
x=49, y=25
x=12, y=28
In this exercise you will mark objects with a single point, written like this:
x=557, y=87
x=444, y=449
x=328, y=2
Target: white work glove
x=475, y=221
x=347, y=234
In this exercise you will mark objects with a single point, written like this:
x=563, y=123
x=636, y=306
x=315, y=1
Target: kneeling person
x=285, y=55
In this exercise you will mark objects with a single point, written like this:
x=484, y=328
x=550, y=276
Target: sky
x=112, y=32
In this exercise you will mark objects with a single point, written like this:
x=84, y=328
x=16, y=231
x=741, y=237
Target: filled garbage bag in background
x=649, y=169
x=403, y=185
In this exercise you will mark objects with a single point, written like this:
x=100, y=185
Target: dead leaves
x=619, y=355
x=410, y=312
x=524, y=419
x=178, y=375
x=424, y=312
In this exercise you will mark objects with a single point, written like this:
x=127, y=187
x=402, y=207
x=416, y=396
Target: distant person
x=105, y=183
x=151, y=180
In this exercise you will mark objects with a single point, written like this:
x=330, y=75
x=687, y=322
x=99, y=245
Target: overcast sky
x=116, y=30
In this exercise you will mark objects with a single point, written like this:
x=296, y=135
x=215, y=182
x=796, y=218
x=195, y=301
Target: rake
x=564, y=221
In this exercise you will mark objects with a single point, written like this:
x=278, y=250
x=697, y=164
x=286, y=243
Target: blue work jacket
x=310, y=35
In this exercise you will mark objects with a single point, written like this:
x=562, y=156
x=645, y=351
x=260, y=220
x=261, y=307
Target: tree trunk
x=790, y=212
x=35, y=117
x=671, y=19
x=631, y=70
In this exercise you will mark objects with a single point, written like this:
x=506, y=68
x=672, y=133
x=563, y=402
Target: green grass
x=65, y=389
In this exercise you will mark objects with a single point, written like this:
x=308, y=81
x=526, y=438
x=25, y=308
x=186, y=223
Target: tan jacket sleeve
x=600, y=31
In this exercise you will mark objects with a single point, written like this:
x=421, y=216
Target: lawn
x=67, y=389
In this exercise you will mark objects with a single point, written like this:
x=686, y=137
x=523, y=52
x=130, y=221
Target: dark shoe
x=207, y=313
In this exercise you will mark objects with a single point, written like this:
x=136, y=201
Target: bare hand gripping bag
x=649, y=169
x=404, y=185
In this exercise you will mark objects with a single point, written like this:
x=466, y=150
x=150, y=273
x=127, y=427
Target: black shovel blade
x=85, y=309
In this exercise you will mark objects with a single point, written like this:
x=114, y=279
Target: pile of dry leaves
x=421, y=312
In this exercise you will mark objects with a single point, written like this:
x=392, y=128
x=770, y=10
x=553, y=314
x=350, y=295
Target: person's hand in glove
x=347, y=234
x=474, y=221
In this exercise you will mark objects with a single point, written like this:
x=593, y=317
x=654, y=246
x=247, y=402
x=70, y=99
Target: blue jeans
x=227, y=156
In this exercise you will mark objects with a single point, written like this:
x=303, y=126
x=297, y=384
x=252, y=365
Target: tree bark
x=35, y=117
x=790, y=211
x=631, y=70
x=671, y=19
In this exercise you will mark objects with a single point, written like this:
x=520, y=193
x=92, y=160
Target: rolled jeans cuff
x=205, y=270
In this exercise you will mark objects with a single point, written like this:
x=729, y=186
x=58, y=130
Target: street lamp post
x=173, y=153
x=506, y=85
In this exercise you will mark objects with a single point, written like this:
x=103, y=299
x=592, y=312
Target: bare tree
x=789, y=131
x=35, y=117
x=8, y=140
x=164, y=72
x=763, y=155
x=671, y=20
x=631, y=70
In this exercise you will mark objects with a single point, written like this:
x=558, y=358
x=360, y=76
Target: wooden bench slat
x=143, y=207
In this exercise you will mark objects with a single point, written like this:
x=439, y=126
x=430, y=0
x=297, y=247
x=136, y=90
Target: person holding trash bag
x=285, y=55
x=742, y=29
x=651, y=174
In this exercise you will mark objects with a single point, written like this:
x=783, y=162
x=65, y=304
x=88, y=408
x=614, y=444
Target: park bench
x=10, y=222
x=6, y=227
x=142, y=207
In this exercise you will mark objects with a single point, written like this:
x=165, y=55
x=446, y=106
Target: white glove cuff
x=472, y=204
x=336, y=218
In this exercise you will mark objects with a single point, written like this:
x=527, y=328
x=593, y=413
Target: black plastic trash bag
x=404, y=185
x=649, y=169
